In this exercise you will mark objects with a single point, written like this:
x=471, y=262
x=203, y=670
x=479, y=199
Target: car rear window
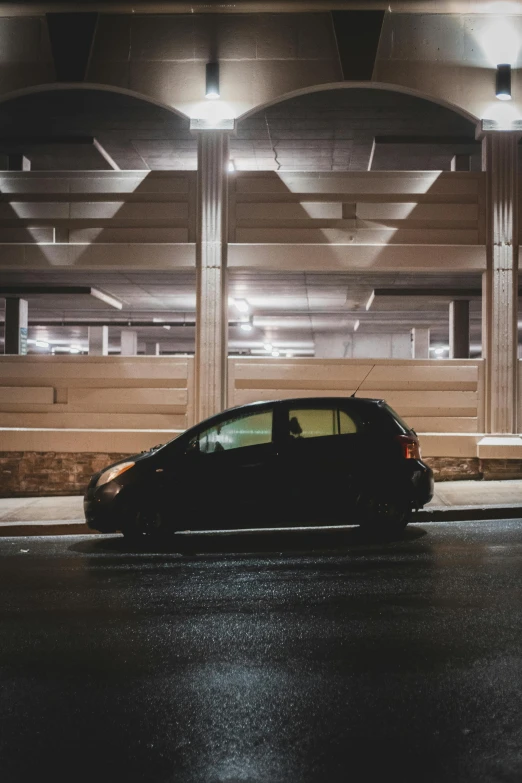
x=395, y=416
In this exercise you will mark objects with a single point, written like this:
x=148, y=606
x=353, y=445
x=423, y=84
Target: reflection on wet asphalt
x=292, y=657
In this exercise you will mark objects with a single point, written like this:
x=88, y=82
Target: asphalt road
x=289, y=657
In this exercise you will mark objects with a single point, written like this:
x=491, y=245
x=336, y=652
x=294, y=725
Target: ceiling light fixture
x=41, y=344
x=246, y=327
x=166, y=326
x=268, y=347
x=212, y=81
x=241, y=305
x=503, y=82
x=231, y=166
x=275, y=353
x=370, y=300
x=356, y=325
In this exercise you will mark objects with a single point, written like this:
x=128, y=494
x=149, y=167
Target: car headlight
x=112, y=473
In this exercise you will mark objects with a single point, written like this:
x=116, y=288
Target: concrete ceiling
x=329, y=131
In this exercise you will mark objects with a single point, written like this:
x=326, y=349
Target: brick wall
x=32, y=473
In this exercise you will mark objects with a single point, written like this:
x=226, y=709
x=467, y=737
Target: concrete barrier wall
x=94, y=403
x=358, y=208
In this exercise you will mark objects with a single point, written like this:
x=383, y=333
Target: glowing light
x=370, y=300
x=503, y=113
x=246, y=327
x=41, y=344
x=499, y=40
x=231, y=165
x=241, y=305
x=268, y=347
x=275, y=353
x=356, y=325
x=74, y=350
x=166, y=326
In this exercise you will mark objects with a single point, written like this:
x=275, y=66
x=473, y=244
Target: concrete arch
x=384, y=86
x=89, y=86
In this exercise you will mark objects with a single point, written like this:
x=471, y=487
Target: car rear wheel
x=386, y=515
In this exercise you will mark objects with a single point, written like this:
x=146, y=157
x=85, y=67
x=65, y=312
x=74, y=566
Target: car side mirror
x=193, y=447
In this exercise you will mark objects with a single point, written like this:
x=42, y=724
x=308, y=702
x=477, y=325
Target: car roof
x=306, y=400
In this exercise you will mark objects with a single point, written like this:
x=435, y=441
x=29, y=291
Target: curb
x=467, y=513
x=77, y=527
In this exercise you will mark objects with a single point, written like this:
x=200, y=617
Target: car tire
x=384, y=515
x=145, y=524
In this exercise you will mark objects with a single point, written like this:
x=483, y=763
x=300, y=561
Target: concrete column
x=98, y=340
x=500, y=282
x=15, y=341
x=459, y=329
x=152, y=348
x=211, y=279
x=129, y=342
x=420, y=343
x=461, y=163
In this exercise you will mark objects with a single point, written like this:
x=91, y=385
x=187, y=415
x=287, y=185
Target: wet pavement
x=292, y=657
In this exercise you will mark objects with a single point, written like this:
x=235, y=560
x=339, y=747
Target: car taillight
x=410, y=446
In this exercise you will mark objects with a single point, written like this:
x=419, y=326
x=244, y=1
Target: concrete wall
x=449, y=57
x=92, y=404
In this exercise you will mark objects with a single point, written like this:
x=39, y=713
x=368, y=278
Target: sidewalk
x=453, y=501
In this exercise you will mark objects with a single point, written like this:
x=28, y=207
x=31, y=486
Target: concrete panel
x=106, y=421
x=325, y=257
x=21, y=395
x=361, y=236
x=438, y=183
x=449, y=444
x=304, y=210
x=496, y=447
x=75, y=370
x=129, y=235
x=28, y=234
x=83, y=440
x=120, y=210
x=125, y=398
x=33, y=210
x=277, y=37
x=414, y=211
x=21, y=39
x=107, y=257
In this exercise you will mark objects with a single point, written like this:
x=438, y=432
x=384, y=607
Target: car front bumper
x=104, y=507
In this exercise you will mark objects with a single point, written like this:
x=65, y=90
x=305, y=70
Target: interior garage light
x=268, y=347
x=356, y=325
x=438, y=351
x=503, y=82
x=275, y=353
x=166, y=326
x=241, y=305
x=74, y=350
x=41, y=344
x=231, y=165
x=246, y=327
x=212, y=81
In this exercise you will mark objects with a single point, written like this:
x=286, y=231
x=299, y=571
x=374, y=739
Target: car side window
x=238, y=433
x=319, y=423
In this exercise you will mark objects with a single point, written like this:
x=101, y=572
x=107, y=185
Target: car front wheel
x=145, y=522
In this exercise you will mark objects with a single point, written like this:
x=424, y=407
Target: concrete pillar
x=500, y=282
x=420, y=343
x=129, y=342
x=15, y=341
x=211, y=278
x=461, y=163
x=459, y=329
x=152, y=348
x=98, y=340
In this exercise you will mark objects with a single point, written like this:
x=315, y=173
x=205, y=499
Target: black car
x=315, y=461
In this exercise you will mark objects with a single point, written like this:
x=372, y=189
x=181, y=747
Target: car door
x=319, y=459
x=232, y=470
